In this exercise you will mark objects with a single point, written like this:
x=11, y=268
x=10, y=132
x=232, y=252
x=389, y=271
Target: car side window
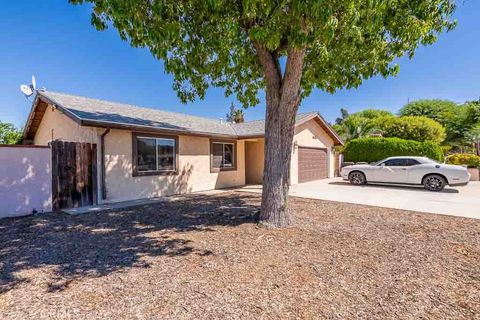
x=396, y=163
x=412, y=162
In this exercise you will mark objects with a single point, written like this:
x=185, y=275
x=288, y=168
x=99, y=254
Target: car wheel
x=357, y=178
x=434, y=182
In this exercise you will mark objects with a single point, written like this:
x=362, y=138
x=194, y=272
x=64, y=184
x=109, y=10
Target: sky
x=54, y=41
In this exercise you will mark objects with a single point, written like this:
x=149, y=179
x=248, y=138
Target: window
x=223, y=155
x=154, y=155
x=396, y=163
x=412, y=162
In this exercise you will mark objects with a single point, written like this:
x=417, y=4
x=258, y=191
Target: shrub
x=411, y=128
x=375, y=149
x=468, y=159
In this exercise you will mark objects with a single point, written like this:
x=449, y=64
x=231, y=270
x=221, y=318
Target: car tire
x=357, y=178
x=434, y=182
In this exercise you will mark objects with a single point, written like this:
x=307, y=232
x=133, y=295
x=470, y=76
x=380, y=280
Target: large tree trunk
x=283, y=98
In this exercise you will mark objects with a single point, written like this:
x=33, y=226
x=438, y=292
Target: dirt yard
x=205, y=258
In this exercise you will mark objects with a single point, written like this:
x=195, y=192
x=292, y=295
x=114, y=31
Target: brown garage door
x=312, y=164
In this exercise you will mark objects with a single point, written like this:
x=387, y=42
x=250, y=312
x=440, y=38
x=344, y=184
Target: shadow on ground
x=389, y=186
x=97, y=244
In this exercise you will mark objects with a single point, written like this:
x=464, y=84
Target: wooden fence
x=74, y=174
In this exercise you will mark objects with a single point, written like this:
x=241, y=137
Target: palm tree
x=235, y=115
x=354, y=127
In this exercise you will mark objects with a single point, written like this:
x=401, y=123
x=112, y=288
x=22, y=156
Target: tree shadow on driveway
x=97, y=244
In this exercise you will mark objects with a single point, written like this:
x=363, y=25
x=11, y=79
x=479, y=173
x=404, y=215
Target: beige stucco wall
x=254, y=161
x=194, y=169
x=310, y=134
x=57, y=125
x=194, y=161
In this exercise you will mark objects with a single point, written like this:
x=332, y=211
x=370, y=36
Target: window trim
x=135, y=172
x=223, y=141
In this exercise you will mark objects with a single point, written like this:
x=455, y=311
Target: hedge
x=376, y=149
x=468, y=159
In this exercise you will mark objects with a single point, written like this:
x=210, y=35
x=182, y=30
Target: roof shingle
x=113, y=112
x=107, y=112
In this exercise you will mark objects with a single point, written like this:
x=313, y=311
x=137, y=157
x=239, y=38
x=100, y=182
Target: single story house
x=147, y=153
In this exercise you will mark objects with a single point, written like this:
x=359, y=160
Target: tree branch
x=270, y=65
x=292, y=77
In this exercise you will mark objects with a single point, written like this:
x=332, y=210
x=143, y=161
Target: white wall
x=25, y=180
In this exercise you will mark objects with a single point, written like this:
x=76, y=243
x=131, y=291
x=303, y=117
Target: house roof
x=101, y=113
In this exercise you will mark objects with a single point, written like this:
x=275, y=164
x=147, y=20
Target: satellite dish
x=27, y=90
x=34, y=83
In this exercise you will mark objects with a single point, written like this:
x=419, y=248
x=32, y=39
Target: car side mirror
x=382, y=165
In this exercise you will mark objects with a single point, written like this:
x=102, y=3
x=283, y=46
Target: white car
x=434, y=176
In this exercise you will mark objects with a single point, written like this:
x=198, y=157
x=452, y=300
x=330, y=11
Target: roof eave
x=60, y=107
x=336, y=139
x=26, y=128
x=140, y=128
x=251, y=136
x=41, y=97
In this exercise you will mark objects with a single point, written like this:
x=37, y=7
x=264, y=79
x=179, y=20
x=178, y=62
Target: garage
x=312, y=164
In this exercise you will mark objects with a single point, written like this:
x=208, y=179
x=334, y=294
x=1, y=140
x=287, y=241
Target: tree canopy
x=343, y=115
x=472, y=136
x=436, y=109
x=458, y=119
x=235, y=115
x=373, y=113
x=9, y=134
x=220, y=42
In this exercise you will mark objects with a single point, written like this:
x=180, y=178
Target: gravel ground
x=205, y=258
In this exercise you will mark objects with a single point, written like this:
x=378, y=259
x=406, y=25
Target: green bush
x=375, y=149
x=411, y=128
x=468, y=159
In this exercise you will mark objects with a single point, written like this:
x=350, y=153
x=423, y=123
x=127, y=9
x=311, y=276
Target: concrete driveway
x=456, y=201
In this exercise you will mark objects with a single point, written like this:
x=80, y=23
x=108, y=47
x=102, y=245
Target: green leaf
x=210, y=43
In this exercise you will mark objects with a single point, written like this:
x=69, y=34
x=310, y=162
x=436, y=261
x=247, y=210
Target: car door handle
x=404, y=168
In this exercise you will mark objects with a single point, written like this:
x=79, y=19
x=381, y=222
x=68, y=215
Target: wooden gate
x=74, y=174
